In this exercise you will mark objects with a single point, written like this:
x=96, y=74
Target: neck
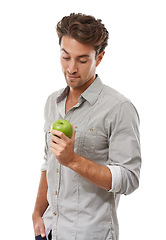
x=76, y=92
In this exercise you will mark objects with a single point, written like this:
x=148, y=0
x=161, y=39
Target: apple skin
x=64, y=126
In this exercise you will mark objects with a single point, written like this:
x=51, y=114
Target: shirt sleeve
x=116, y=178
x=44, y=165
x=124, y=149
x=47, y=110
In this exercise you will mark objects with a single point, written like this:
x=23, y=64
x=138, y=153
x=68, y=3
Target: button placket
x=55, y=196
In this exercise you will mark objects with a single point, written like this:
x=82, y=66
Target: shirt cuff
x=44, y=167
x=116, y=178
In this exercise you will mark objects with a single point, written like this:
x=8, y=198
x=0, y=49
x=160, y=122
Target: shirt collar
x=63, y=94
x=90, y=94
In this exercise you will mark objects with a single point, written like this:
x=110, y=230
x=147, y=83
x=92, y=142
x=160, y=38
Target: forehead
x=73, y=47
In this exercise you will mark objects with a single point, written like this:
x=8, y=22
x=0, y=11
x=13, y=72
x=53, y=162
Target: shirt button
x=91, y=129
x=56, y=193
x=75, y=127
x=55, y=213
x=57, y=170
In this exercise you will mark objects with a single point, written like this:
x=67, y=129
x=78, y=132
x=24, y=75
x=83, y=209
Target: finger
x=56, y=147
x=42, y=230
x=43, y=235
x=53, y=150
x=55, y=133
x=37, y=232
x=57, y=143
x=74, y=132
x=55, y=139
x=39, y=228
x=59, y=134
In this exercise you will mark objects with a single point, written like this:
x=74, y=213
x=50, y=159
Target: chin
x=72, y=83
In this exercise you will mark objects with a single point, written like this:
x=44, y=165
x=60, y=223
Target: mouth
x=72, y=77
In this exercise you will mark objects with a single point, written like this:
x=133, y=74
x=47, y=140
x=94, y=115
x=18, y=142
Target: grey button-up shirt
x=107, y=133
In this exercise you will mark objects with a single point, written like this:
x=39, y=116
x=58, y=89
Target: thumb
x=42, y=230
x=43, y=234
x=74, y=132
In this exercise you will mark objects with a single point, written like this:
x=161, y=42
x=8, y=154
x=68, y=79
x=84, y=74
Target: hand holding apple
x=61, y=145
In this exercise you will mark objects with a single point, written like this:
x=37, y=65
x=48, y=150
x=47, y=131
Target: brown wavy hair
x=85, y=29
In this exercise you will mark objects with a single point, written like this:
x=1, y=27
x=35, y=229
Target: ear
x=99, y=58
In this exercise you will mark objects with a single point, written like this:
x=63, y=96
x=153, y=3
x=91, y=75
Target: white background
x=134, y=64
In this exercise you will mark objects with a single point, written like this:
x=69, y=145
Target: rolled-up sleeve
x=116, y=178
x=124, y=149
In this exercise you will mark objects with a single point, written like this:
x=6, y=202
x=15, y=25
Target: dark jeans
x=40, y=238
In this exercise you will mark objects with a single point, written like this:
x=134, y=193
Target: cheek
x=89, y=68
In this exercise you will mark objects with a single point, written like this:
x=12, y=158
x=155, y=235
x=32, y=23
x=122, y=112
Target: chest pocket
x=85, y=141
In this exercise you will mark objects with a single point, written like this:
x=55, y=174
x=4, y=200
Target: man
x=82, y=177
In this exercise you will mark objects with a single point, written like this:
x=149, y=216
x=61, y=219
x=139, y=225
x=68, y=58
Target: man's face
x=78, y=62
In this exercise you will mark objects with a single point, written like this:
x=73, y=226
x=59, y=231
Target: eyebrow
x=80, y=56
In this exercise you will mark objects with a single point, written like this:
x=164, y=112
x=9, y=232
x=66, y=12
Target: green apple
x=64, y=126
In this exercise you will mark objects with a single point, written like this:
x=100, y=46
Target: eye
x=83, y=61
x=66, y=58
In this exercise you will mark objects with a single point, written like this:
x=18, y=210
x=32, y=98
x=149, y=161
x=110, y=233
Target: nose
x=72, y=67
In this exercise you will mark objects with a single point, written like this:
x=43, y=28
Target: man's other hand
x=39, y=227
